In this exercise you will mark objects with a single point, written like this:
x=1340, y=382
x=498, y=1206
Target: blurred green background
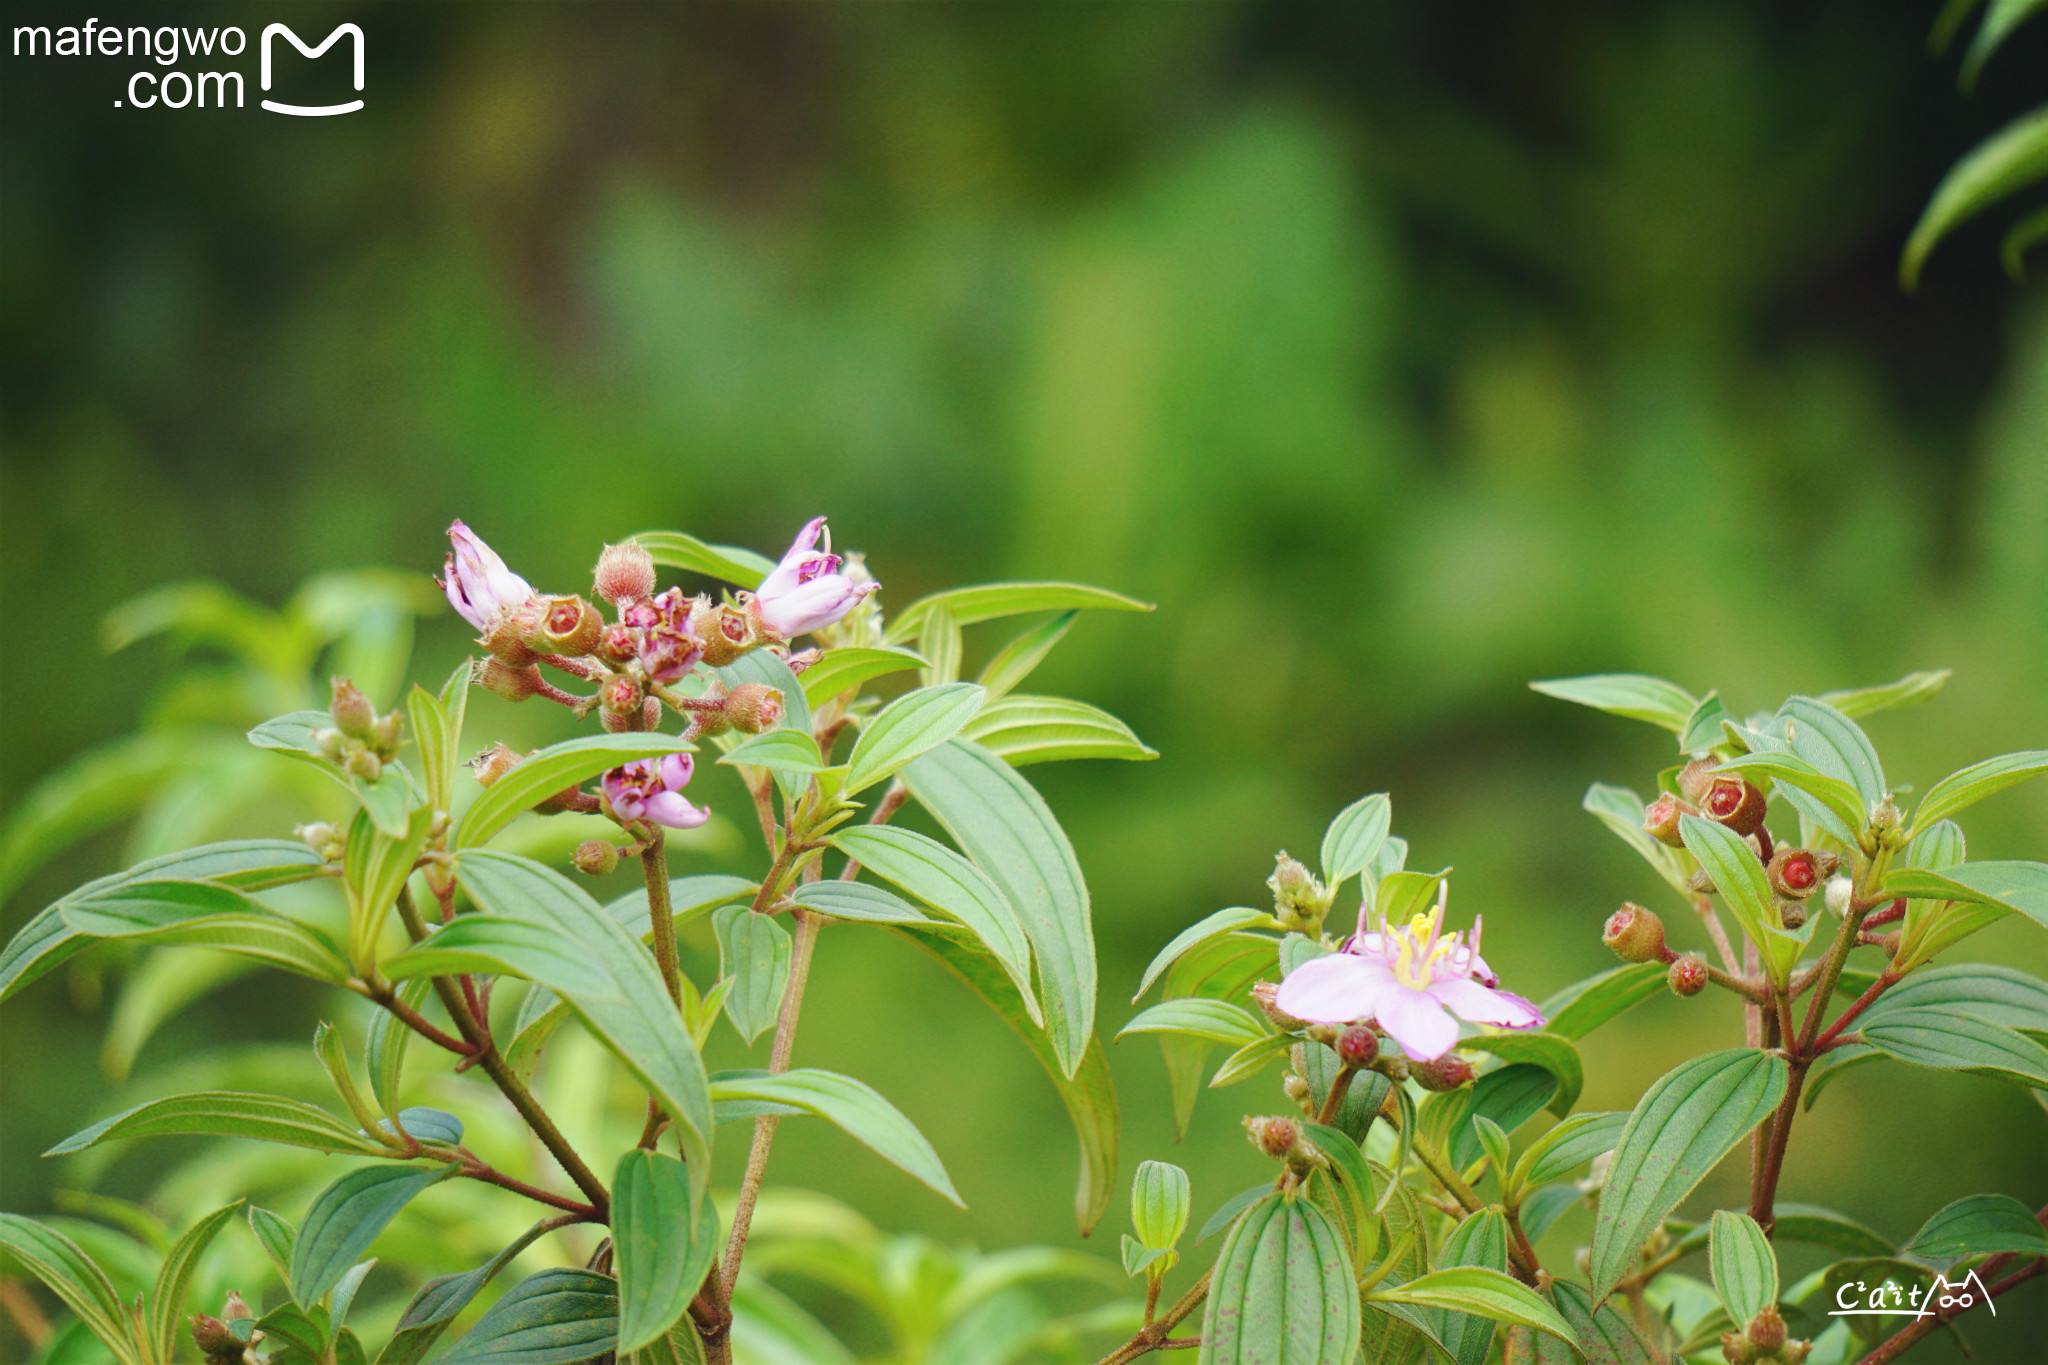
x=1401, y=353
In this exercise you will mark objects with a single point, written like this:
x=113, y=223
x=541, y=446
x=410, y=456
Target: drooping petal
x=1470, y=1000
x=675, y=811
x=788, y=574
x=1334, y=990
x=676, y=770
x=810, y=606
x=1418, y=1022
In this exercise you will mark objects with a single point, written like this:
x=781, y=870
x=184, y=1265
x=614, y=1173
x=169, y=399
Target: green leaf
x=1510, y=1097
x=2001, y=165
x=276, y=1237
x=539, y=925
x=431, y=732
x=754, y=951
x=1226, y=1213
x=1088, y=1093
x=1567, y=1146
x=438, y=1301
x=1402, y=895
x=688, y=898
x=374, y=870
x=2020, y=238
x=1968, y=786
x=913, y=724
x=288, y=1326
x=333, y=1058
x=292, y=734
x=1026, y=730
x=66, y=1271
x=1319, y=1066
x=768, y=669
x=554, y=768
x=939, y=641
x=389, y=801
x=660, y=1252
x=556, y=1317
x=1580, y=1008
x=988, y=601
x=1621, y=810
x=1833, y=744
x=1736, y=873
x=1633, y=695
x=1911, y=690
x=385, y=1043
x=167, y=1295
x=853, y=1106
x=1353, y=1173
x=1702, y=728
x=953, y=886
x=1283, y=1291
x=1603, y=1336
x=1998, y=995
x=1354, y=837
x=1979, y=1225
x=1745, y=1267
x=1483, y=1291
x=734, y=565
x=2001, y=17
x=207, y=915
x=1000, y=821
x=1249, y=1060
x=1821, y=1227
x=1684, y=1124
x=1849, y=811
x=346, y=1218
x=1952, y=1041
x=1215, y=1020
x=782, y=750
x=850, y=667
x=1551, y=1051
x=1479, y=1240
x=1208, y=927
x=1014, y=662
x=859, y=902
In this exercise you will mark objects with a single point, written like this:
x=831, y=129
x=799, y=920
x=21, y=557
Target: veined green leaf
x=1483, y=1291
x=1027, y=729
x=1952, y=1041
x=1606, y=1335
x=346, y=1218
x=1911, y=690
x=1835, y=795
x=1621, y=810
x=1681, y=1128
x=554, y=768
x=1580, y=1008
x=846, y=668
x=1634, y=695
x=290, y=1327
x=754, y=951
x=989, y=601
x=1367, y=1090
x=855, y=1107
x=1402, y=895
x=688, y=899
x=734, y=565
x=1014, y=662
x=938, y=639
x=1510, y=1097
x=374, y=871
x=1745, y=1267
x=999, y=820
x=202, y=914
x=389, y=800
x=1745, y=889
x=1833, y=744
x=1214, y=1020
x=1354, y=1174
x=782, y=751
x=1354, y=837
x=1999, y=995
x=2001, y=165
x=1208, y=927
x=556, y=1317
x=1159, y=1203
x=66, y=1271
x=2020, y=886
x=276, y=1237
x=859, y=902
x=438, y=1301
x=430, y=731
x=1552, y=1051
x=1567, y=1146
x=167, y=1295
x=1968, y=786
x=292, y=734
x=913, y=724
x=1821, y=1227
x=1979, y=1225
x=660, y=1252
x=1249, y=1060
x=385, y=1043
x=1480, y=1240
x=1283, y=1291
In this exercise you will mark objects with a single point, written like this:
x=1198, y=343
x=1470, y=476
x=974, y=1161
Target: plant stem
x=1764, y=1193
x=654, y=865
x=476, y=1169
x=1848, y=1016
x=380, y=991
x=1156, y=1335
x=1719, y=935
x=1907, y=1337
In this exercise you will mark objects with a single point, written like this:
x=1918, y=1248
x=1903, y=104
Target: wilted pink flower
x=806, y=591
x=479, y=586
x=652, y=789
x=668, y=655
x=1411, y=980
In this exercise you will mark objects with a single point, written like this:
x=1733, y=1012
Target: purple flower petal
x=676, y=770
x=1418, y=1022
x=1334, y=989
x=673, y=810
x=1470, y=1000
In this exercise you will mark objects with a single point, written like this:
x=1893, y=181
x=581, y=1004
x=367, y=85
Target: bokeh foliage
x=1401, y=353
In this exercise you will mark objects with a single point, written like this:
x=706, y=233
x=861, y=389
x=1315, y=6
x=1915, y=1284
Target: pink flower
x=652, y=789
x=806, y=591
x=479, y=586
x=1410, y=980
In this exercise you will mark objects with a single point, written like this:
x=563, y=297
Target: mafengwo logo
x=170, y=46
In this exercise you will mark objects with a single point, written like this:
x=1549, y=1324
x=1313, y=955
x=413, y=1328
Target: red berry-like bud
x=1358, y=1046
x=622, y=697
x=1447, y=1072
x=494, y=764
x=505, y=680
x=1797, y=873
x=1661, y=817
x=1737, y=803
x=624, y=572
x=352, y=712
x=596, y=857
x=1688, y=975
x=618, y=644
x=1275, y=1136
x=1635, y=934
x=753, y=708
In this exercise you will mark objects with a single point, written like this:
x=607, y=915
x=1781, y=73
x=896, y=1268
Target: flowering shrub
x=1412, y=1183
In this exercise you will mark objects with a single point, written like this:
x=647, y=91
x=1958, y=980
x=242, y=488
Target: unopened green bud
x=324, y=839
x=1299, y=899
x=1298, y=1089
x=331, y=742
x=1159, y=1203
x=352, y=712
x=365, y=765
x=386, y=735
x=1884, y=824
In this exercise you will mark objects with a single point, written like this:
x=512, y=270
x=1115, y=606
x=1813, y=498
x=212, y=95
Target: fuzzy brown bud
x=352, y=712
x=234, y=1308
x=1358, y=1046
x=1635, y=934
x=596, y=857
x=753, y=708
x=507, y=681
x=1736, y=802
x=726, y=631
x=1792, y=914
x=568, y=626
x=1766, y=1331
x=1661, y=817
x=1275, y=1136
x=1266, y=995
x=495, y=763
x=213, y=1338
x=624, y=572
x=1447, y=1072
x=1695, y=777
x=1298, y=1089
x=508, y=635
x=1688, y=975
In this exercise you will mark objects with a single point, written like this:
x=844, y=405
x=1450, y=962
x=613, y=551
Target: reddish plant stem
x=580, y=705
x=1908, y=1337
x=1848, y=1016
x=475, y=1169
x=1705, y=906
x=382, y=993
x=1891, y=914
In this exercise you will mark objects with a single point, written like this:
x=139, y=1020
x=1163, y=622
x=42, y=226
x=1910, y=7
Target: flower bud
x=364, y=764
x=1159, y=1203
x=618, y=645
x=324, y=839
x=1358, y=1046
x=352, y=712
x=1635, y=934
x=1447, y=1072
x=1688, y=975
x=386, y=734
x=1766, y=1331
x=1695, y=777
x=1299, y=900
x=1275, y=1136
x=1660, y=818
x=1792, y=914
x=726, y=631
x=624, y=572
x=1884, y=824
x=621, y=697
x=596, y=857
x=568, y=626
x=1840, y=892
x=507, y=637
x=495, y=763
x=1298, y=1089
x=213, y=1338
x=753, y=708
x=330, y=742
x=1736, y=802
x=505, y=680
x=1265, y=995
x=234, y=1308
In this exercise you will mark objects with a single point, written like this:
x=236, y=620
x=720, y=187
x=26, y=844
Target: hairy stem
x=654, y=865
x=1907, y=1337
x=1705, y=906
x=1884, y=982
x=1157, y=1334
